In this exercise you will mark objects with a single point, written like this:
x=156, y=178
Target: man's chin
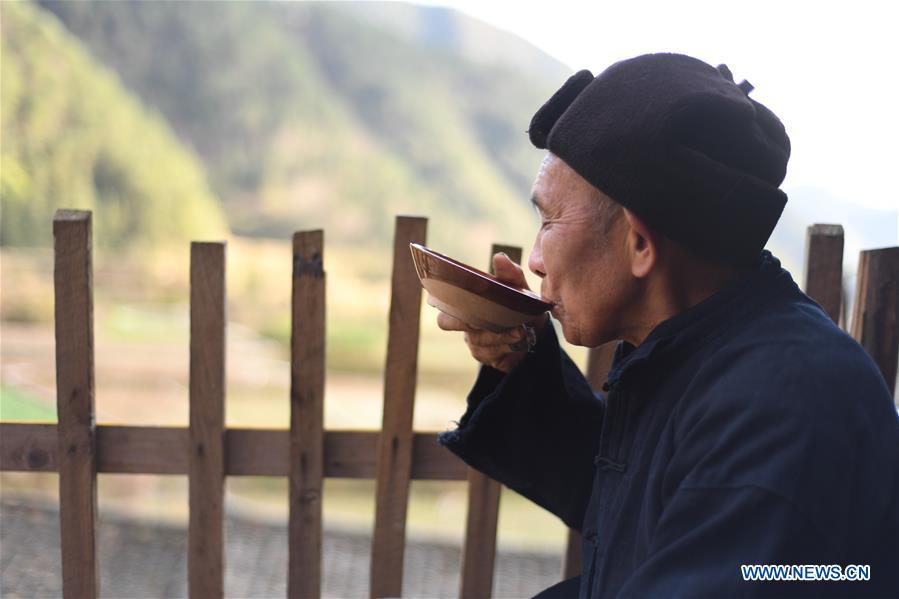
x=571, y=334
x=576, y=336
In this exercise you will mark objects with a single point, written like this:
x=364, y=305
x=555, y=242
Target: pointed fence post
x=875, y=321
x=307, y=393
x=76, y=431
x=394, y=466
x=206, y=550
x=824, y=267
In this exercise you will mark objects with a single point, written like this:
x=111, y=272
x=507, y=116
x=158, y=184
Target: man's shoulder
x=791, y=361
x=794, y=320
x=790, y=404
x=793, y=343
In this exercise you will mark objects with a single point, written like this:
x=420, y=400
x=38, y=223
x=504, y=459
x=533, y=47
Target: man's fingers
x=508, y=272
x=491, y=355
x=501, y=350
x=490, y=339
x=451, y=323
x=508, y=362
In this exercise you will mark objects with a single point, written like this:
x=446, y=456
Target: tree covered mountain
x=313, y=114
x=454, y=32
x=72, y=136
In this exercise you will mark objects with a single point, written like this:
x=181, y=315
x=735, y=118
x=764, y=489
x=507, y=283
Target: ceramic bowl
x=473, y=296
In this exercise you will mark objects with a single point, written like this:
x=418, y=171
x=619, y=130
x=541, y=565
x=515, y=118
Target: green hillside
x=306, y=115
x=456, y=33
x=72, y=136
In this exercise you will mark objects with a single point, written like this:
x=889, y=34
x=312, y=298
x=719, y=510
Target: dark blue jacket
x=746, y=430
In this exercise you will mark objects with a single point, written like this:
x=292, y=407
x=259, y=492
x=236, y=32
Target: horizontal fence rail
x=28, y=447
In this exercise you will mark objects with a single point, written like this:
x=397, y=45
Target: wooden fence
x=78, y=449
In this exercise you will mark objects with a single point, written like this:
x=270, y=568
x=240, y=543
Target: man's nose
x=535, y=261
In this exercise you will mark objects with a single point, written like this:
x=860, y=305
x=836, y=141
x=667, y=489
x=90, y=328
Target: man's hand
x=502, y=351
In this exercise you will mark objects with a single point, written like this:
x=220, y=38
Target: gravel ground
x=140, y=559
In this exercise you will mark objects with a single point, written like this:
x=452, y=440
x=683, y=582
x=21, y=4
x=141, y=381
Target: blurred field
x=18, y=405
x=141, y=345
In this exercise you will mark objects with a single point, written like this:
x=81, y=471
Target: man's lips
x=556, y=303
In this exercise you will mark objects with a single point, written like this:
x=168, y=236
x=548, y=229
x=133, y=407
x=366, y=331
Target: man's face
x=579, y=255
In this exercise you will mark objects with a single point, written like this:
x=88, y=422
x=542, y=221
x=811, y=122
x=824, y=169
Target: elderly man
x=739, y=426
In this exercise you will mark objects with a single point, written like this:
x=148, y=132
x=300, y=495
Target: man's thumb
x=508, y=272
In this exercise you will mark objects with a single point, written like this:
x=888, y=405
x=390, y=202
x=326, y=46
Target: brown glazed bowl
x=473, y=296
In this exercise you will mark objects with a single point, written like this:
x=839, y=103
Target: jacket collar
x=680, y=333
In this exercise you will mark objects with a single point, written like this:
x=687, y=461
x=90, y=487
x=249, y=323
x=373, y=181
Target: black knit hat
x=676, y=141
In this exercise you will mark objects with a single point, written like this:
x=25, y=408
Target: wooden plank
x=307, y=391
x=512, y=251
x=394, y=465
x=205, y=557
x=352, y=454
x=143, y=449
x=27, y=447
x=824, y=268
x=875, y=315
x=479, y=545
x=347, y=454
x=599, y=362
x=257, y=452
x=76, y=443
x=479, y=549
x=431, y=461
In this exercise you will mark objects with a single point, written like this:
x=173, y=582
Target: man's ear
x=641, y=245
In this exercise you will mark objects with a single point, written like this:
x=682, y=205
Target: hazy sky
x=827, y=69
